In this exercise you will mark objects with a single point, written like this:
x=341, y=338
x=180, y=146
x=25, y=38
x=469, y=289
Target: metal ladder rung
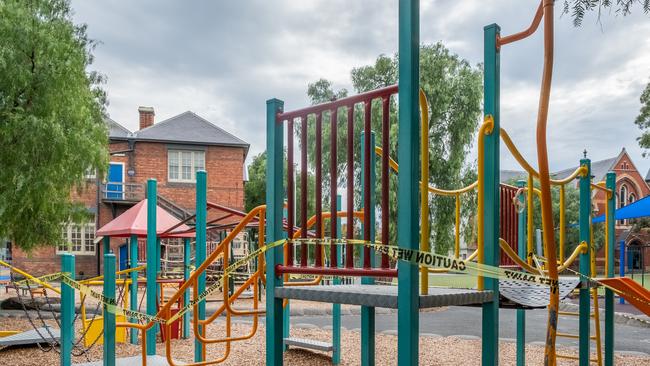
x=573, y=313
x=574, y=357
x=574, y=336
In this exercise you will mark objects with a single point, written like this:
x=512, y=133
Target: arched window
x=631, y=198
x=623, y=196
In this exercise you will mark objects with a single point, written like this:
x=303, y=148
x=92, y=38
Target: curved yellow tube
x=512, y=255
x=562, y=223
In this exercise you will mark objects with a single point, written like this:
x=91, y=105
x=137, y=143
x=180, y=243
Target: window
x=623, y=195
x=78, y=239
x=183, y=164
x=91, y=173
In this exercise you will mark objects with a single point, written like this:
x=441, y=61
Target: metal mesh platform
x=31, y=337
x=519, y=294
x=381, y=296
x=309, y=343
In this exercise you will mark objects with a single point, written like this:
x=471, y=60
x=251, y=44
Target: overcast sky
x=224, y=59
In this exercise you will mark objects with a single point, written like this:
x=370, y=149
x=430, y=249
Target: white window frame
x=193, y=164
x=67, y=245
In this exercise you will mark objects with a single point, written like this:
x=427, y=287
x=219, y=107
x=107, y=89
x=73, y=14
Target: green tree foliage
x=51, y=119
x=255, y=188
x=579, y=8
x=643, y=120
x=454, y=90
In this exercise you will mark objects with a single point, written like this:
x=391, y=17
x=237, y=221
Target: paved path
x=467, y=321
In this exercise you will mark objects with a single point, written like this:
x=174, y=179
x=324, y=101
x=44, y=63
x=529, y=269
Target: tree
x=579, y=8
x=51, y=119
x=454, y=90
x=643, y=120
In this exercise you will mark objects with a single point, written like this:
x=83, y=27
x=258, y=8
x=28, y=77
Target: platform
x=381, y=296
x=31, y=337
x=155, y=360
x=531, y=296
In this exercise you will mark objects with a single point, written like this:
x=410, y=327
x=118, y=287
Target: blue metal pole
x=336, y=308
x=585, y=264
x=621, y=265
x=187, y=254
x=367, y=312
x=200, y=249
x=67, y=311
x=133, y=256
x=109, y=317
x=610, y=183
x=152, y=287
x=408, y=232
x=490, y=327
x=274, y=191
x=521, y=248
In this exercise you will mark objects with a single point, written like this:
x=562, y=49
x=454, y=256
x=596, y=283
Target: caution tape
x=39, y=280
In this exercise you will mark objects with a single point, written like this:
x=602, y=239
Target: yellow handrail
x=486, y=129
x=515, y=258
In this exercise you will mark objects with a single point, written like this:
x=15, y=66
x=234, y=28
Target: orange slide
x=631, y=291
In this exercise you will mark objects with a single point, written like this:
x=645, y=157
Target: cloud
x=222, y=60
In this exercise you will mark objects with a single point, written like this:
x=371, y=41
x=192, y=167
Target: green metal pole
x=521, y=248
x=106, y=243
x=336, y=308
x=368, y=312
x=490, y=327
x=274, y=191
x=152, y=287
x=610, y=183
x=187, y=254
x=67, y=311
x=133, y=256
x=585, y=264
x=109, y=318
x=408, y=233
x=200, y=249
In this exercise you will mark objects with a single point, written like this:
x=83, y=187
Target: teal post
x=368, y=312
x=67, y=311
x=408, y=189
x=336, y=308
x=152, y=288
x=491, y=95
x=109, y=317
x=187, y=254
x=585, y=264
x=106, y=243
x=521, y=248
x=200, y=251
x=133, y=256
x=286, y=310
x=274, y=191
x=610, y=183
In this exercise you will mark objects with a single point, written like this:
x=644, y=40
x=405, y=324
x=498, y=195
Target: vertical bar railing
x=368, y=188
x=385, y=169
x=319, y=189
x=303, y=189
x=349, y=250
x=333, y=185
x=290, y=194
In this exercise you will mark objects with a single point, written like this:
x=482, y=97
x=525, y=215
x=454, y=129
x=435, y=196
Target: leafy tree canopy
x=579, y=8
x=51, y=119
x=643, y=120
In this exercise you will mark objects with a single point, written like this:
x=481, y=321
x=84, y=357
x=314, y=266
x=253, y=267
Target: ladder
x=593, y=315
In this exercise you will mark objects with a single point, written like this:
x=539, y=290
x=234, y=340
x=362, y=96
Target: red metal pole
x=303, y=188
x=367, y=191
x=349, y=249
x=333, y=186
x=385, y=169
x=319, y=189
x=290, y=187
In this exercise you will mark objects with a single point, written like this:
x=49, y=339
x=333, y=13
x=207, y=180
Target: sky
x=224, y=59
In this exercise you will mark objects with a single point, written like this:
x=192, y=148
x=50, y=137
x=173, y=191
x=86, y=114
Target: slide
x=631, y=291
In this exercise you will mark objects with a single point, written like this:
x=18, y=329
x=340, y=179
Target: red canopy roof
x=134, y=222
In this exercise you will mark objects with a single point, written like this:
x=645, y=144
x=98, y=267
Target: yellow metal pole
x=457, y=228
x=562, y=224
x=424, y=191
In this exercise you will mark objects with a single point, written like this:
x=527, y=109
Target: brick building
x=170, y=151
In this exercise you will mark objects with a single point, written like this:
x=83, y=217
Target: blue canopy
x=640, y=208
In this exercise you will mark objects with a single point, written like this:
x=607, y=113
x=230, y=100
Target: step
x=309, y=344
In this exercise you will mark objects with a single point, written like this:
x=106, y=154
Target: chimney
x=146, y=116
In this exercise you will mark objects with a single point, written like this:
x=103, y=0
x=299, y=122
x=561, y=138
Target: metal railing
x=120, y=191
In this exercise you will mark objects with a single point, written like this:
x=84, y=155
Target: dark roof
x=189, y=128
x=598, y=168
x=116, y=131
x=507, y=176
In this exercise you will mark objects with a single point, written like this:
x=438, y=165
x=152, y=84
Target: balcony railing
x=120, y=191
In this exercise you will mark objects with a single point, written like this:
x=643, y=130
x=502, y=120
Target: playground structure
x=310, y=247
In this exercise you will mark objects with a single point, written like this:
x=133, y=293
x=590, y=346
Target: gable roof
x=598, y=168
x=134, y=222
x=506, y=176
x=189, y=128
x=116, y=131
